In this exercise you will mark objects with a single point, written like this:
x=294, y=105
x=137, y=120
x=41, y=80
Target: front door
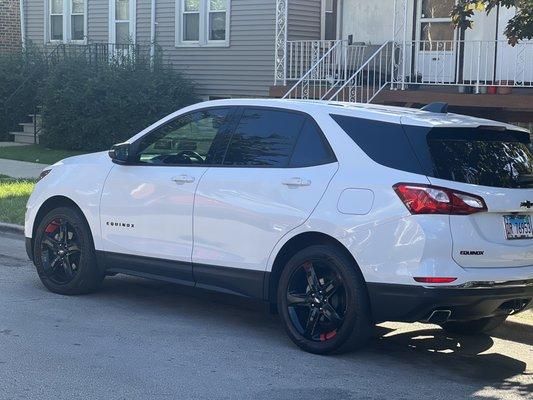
x=146, y=208
x=436, y=46
x=276, y=169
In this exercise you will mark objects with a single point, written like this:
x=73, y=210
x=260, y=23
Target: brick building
x=10, y=36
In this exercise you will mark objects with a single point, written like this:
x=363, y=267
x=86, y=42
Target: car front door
x=276, y=168
x=146, y=207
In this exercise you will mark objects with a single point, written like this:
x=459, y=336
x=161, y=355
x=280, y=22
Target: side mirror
x=120, y=153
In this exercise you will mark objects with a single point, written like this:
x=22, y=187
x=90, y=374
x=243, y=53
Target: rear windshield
x=481, y=156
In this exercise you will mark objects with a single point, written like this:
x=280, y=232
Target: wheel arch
x=51, y=204
x=295, y=244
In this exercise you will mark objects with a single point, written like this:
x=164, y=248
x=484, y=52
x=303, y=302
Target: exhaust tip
x=438, y=317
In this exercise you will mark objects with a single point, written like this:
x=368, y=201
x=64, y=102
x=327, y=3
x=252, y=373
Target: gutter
x=11, y=228
x=152, y=30
x=22, y=23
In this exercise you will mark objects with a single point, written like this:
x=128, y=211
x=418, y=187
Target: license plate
x=518, y=227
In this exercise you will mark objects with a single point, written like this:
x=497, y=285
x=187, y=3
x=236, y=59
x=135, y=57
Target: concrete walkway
x=12, y=144
x=20, y=169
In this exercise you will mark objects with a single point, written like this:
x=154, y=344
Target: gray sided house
x=226, y=46
x=401, y=52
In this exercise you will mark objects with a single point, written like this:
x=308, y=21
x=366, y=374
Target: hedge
x=17, y=68
x=90, y=107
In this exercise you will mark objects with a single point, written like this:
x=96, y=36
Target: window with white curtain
x=202, y=22
x=66, y=20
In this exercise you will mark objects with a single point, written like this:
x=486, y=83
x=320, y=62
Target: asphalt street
x=140, y=339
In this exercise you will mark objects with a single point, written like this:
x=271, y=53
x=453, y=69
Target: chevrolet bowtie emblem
x=526, y=204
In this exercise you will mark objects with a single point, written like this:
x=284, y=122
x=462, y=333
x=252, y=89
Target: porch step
x=28, y=127
x=23, y=137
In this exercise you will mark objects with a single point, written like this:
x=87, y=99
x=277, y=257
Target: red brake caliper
x=51, y=227
x=327, y=336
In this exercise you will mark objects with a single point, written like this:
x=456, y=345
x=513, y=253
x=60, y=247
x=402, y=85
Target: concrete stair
x=31, y=130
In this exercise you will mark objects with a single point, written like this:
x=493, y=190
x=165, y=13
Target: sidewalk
x=20, y=169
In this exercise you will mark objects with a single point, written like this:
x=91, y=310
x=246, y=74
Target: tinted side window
x=311, y=147
x=385, y=143
x=264, y=137
x=189, y=139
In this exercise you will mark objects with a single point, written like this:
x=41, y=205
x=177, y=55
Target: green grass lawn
x=14, y=194
x=36, y=153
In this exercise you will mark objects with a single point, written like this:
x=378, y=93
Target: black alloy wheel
x=60, y=252
x=64, y=253
x=316, y=301
x=322, y=301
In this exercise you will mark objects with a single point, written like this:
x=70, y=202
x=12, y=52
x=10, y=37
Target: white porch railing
x=321, y=66
x=337, y=70
x=304, y=54
x=472, y=63
x=369, y=79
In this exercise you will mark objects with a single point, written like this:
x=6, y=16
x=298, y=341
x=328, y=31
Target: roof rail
x=437, y=107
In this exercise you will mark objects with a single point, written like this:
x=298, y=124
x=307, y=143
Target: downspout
x=22, y=23
x=152, y=30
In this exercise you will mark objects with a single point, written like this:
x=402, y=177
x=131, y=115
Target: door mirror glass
x=120, y=153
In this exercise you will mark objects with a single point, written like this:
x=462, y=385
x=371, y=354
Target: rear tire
x=475, y=326
x=329, y=314
x=64, y=254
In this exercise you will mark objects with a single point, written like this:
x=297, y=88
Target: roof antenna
x=437, y=107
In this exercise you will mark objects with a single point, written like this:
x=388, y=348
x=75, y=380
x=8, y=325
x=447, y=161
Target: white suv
x=343, y=215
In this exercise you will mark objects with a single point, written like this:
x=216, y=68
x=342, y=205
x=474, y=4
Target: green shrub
x=90, y=107
x=16, y=102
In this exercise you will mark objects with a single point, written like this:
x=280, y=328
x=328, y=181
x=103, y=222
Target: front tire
x=64, y=254
x=482, y=325
x=323, y=302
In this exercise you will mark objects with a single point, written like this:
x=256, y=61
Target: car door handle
x=180, y=180
x=295, y=182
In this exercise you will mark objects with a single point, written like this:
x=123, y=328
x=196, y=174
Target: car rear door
x=277, y=167
x=496, y=165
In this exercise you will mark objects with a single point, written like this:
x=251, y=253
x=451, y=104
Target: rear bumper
x=409, y=303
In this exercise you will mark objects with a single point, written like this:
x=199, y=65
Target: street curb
x=11, y=228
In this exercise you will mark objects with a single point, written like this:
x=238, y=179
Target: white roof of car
x=407, y=116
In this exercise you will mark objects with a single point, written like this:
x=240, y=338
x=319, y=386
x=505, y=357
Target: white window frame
x=323, y=12
x=204, y=11
x=113, y=21
x=67, y=21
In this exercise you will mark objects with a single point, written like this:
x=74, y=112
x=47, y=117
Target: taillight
x=428, y=199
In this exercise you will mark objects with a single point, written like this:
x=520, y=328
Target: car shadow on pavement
x=461, y=358
x=460, y=355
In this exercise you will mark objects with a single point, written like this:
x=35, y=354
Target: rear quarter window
x=385, y=143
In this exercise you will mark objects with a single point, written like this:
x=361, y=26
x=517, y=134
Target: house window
x=56, y=19
x=67, y=20
x=122, y=27
x=77, y=23
x=217, y=19
x=202, y=22
x=191, y=21
x=329, y=19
